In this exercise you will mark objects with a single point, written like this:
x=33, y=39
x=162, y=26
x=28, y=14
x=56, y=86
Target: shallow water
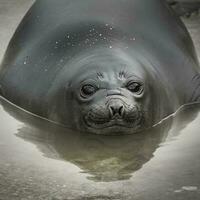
x=40, y=160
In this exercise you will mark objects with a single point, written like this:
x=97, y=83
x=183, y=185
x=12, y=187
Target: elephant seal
x=105, y=67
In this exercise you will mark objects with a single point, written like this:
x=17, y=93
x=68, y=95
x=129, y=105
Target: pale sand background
x=11, y=13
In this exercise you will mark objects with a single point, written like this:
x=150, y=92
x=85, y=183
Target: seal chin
x=116, y=125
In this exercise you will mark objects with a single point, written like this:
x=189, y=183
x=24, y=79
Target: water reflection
x=104, y=158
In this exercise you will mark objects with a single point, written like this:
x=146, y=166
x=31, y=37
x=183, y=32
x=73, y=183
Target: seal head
x=110, y=93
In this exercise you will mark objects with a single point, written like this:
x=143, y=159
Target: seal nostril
x=115, y=109
x=121, y=110
x=112, y=111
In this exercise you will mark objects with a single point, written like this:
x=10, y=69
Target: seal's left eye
x=135, y=87
x=88, y=90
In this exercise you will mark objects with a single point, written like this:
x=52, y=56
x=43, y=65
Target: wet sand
x=39, y=160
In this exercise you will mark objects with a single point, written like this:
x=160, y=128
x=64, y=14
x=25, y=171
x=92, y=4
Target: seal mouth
x=117, y=124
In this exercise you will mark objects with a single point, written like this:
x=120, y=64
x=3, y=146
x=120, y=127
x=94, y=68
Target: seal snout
x=116, y=112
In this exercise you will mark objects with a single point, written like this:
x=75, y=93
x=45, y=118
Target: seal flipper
x=185, y=8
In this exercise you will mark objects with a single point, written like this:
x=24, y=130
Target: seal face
x=112, y=104
x=115, y=112
x=111, y=95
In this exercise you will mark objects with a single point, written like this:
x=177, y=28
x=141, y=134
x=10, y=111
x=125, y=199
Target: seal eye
x=135, y=87
x=88, y=90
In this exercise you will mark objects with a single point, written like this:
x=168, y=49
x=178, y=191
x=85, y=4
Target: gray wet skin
x=101, y=67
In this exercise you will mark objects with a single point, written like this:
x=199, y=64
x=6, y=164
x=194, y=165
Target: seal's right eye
x=88, y=90
x=135, y=87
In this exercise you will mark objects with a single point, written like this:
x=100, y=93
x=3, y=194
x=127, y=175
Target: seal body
x=101, y=66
